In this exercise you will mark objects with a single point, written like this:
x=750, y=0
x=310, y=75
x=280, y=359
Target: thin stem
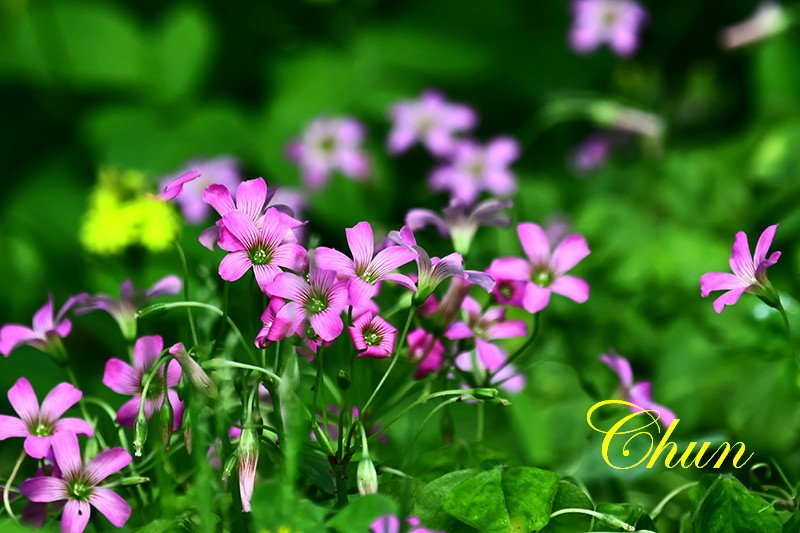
x=321, y=385
x=514, y=356
x=185, y=267
x=397, y=347
x=613, y=520
x=479, y=422
x=243, y=366
x=660, y=506
x=788, y=327
x=7, y=487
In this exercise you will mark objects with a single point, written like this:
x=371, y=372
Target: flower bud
x=230, y=464
x=133, y=480
x=193, y=371
x=485, y=393
x=367, y=477
x=139, y=433
x=247, y=454
x=186, y=426
x=166, y=420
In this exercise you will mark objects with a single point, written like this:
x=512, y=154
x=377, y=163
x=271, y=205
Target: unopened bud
x=186, y=425
x=367, y=477
x=166, y=420
x=193, y=371
x=485, y=393
x=230, y=464
x=139, y=434
x=247, y=453
x=133, y=480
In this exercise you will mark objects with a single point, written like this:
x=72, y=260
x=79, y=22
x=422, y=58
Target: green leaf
x=728, y=507
x=157, y=526
x=635, y=515
x=570, y=496
x=430, y=503
x=361, y=513
x=504, y=499
x=295, y=424
x=276, y=508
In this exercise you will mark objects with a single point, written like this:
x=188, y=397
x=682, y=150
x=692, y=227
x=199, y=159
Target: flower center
x=316, y=304
x=476, y=169
x=79, y=489
x=41, y=428
x=610, y=18
x=506, y=290
x=311, y=334
x=156, y=388
x=368, y=276
x=260, y=256
x=543, y=277
x=327, y=144
x=372, y=338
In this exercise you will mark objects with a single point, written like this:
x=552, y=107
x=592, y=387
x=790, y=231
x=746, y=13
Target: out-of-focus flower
x=373, y=336
x=636, y=393
x=39, y=425
x=506, y=291
x=328, y=145
x=503, y=375
x=460, y=222
x=47, y=330
x=263, y=249
x=391, y=524
x=426, y=350
x=364, y=271
x=616, y=22
x=320, y=300
x=769, y=19
x=221, y=170
x=80, y=486
x=545, y=269
x=122, y=213
x=749, y=272
x=131, y=299
x=485, y=327
x=475, y=168
x=592, y=152
x=430, y=120
x=174, y=186
x=125, y=379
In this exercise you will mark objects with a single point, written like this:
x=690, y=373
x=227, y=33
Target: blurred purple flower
x=592, y=153
x=174, y=185
x=222, y=171
x=328, y=145
x=616, y=22
x=430, y=120
x=475, y=168
x=769, y=19
x=636, y=393
x=46, y=332
x=426, y=350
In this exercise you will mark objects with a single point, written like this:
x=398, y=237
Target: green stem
x=185, y=267
x=218, y=363
x=788, y=327
x=7, y=487
x=611, y=519
x=660, y=506
x=479, y=422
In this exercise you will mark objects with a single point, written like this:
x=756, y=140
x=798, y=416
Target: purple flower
x=391, y=524
x=39, y=425
x=272, y=331
x=320, y=300
x=328, y=145
x=131, y=300
x=475, y=168
x=222, y=170
x=485, y=327
x=373, y=336
x=749, y=272
x=769, y=19
x=506, y=291
x=426, y=350
x=460, y=222
x=364, y=270
x=592, y=153
x=430, y=120
x=263, y=249
x=545, y=269
x=175, y=186
x=505, y=376
x=125, y=379
x=636, y=393
x=616, y=22
x=80, y=486
x=46, y=332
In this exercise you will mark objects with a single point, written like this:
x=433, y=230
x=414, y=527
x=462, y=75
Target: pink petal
x=536, y=298
x=331, y=259
x=209, y=237
x=120, y=377
x=728, y=298
x=74, y=425
x=569, y=252
x=290, y=255
x=507, y=330
x=362, y=244
x=265, y=274
x=472, y=307
x=23, y=399
x=359, y=292
x=37, y=447
x=43, y=318
x=44, y=489
x=62, y=397
x=764, y=242
x=741, y=263
x=720, y=281
x=573, y=288
x=640, y=394
x=75, y=517
x=620, y=366
x=12, y=335
x=107, y=463
x=175, y=187
x=12, y=427
x=402, y=280
x=389, y=259
x=534, y=242
x=288, y=286
x=502, y=151
x=146, y=351
x=67, y=453
x=173, y=373
x=459, y=330
x=242, y=227
x=166, y=286
x=327, y=324
x=111, y=505
x=219, y=197
x=251, y=196
x=126, y=415
x=177, y=409
x=491, y=355
x=510, y=268
x=234, y=265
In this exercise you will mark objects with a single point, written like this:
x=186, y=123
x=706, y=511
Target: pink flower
x=502, y=375
x=221, y=170
x=545, y=270
x=373, y=336
x=131, y=300
x=175, y=186
x=39, y=425
x=636, y=393
x=272, y=331
x=263, y=249
x=616, y=22
x=475, y=168
x=80, y=486
x=506, y=291
x=366, y=268
x=485, y=327
x=320, y=300
x=328, y=145
x=46, y=332
x=125, y=379
x=391, y=524
x=426, y=350
x=749, y=272
x=430, y=120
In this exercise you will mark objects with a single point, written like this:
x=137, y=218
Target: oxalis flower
x=544, y=272
x=749, y=272
x=373, y=336
x=636, y=393
x=485, y=327
x=129, y=380
x=475, y=168
x=221, y=170
x=39, y=425
x=426, y=350
x=430, y=120
x=504, y=375
x=131, y=299
x=364, y=271
x=616, y=22
x=263, y=249
x=320, y=300
x=47, y=331
x=80, y=485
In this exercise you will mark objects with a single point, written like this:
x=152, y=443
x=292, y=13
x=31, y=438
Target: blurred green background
x=151, y=85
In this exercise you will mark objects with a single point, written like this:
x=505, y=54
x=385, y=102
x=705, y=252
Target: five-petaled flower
x=545, y=269
x=749, y=272
x=616, y=22
x=80, y=485
x=47, y=330
x=40, y=424
x=129, y=380
x=636, y=393
x=373, y=336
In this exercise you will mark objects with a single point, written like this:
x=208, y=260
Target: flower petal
x=111, y=505
x=126, y=415
x=534, y=242
x=741, y=263
x=401, y=279
x=507, y=330
x=67, y=454
x=234, y=265
x=12, y=427
x=510, y=268
x=62, y=397
x=37, y=447
x=573, y=288
x=621, y=367
x=219, y=197
x=75, y=517
x=491, y=355
x=390, y=259
x=12, y=335
x=720, y=281
x=288, y=286
x=120, y=377
x=251, y=196
x=361, y=241
x=728, y=298
x=331, y=259
x=536, y=298
x=175, y=187
x=23, y=399
x=327, y=324
x=106, y=463
x=569, y=252
x=74, y=425
x=166, y=286
x=640, y=394
x=459, y=330
x=764, y=242
x=44, y=489
x=209, y=237
x=264, y=275
x=146, y=351
x=242, y=227
x=43, y=318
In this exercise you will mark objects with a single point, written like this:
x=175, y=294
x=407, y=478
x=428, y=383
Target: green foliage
x=361, y=513
x=276, y=508
x=728, y=507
